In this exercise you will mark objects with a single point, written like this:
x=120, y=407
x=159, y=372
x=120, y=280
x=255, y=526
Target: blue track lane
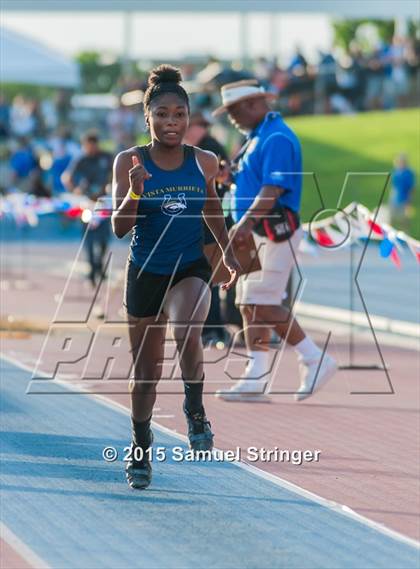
x=75, y=511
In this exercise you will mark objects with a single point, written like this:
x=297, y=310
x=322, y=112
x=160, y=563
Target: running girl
x=161, y=191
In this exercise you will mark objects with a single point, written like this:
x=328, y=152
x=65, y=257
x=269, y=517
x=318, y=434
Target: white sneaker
x=244, y=390
x=313, y=376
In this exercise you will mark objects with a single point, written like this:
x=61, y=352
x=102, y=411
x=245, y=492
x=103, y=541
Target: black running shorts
x=144, y=293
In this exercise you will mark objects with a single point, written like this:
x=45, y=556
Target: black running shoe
x=199, y=430
x=139, y=472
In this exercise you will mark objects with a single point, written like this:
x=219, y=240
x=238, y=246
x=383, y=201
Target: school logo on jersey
x=173, y=206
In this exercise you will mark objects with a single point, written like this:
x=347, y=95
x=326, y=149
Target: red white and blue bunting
x=355, y=223
x=26, y=209
x=350, y=225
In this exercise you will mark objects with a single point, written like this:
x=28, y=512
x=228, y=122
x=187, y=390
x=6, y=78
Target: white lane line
x=21, y=548
x=344, y=316
x=341, y=509
x=337, y=329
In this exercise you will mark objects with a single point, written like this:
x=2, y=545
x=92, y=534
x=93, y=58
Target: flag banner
x=358, y=230
x=338, y=238
x=323, y=238
x=330, y=233
x=386, y=247
x=414, y=247
x=307, y=247
x=349, y=228
x=376, y=228
x=25, y=209
x=395, y=258
x=362, y=224
x=392, y=236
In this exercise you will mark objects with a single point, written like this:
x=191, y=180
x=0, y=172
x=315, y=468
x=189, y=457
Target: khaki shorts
x=268, y=286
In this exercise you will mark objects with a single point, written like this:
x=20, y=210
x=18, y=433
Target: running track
x=387, y=291
x=74, y=510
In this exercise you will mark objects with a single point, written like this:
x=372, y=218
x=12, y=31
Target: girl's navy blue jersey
x=168, y=232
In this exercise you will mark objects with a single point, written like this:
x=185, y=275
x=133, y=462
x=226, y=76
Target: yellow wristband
x=134, y=196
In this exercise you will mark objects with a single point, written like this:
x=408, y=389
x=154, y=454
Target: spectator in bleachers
x=386, y=60
x=23, y=162
x=4, y=118
x=298, y=61
x=60, y=163
x=263, y=70
x=37, y=118
x=63, y=150
x=21, y=119
x=400, y=78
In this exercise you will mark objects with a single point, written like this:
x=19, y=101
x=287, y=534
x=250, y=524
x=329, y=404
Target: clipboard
x=247, y=255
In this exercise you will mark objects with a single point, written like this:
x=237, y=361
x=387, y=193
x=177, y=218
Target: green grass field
x=361, y=147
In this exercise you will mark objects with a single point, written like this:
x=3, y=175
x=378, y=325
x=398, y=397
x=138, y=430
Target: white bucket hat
x=239, y=91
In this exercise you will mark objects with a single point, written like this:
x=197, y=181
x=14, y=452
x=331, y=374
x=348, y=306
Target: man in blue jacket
x=268, y=182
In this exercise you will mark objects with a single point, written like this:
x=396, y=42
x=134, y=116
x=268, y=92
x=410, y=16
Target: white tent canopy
x=24, y=60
